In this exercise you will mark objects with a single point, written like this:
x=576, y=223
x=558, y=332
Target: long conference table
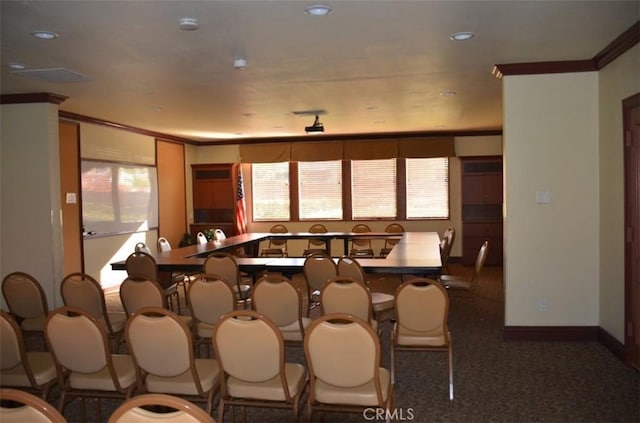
x=415, y=253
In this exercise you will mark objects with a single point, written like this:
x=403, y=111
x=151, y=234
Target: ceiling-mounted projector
x=316, y=127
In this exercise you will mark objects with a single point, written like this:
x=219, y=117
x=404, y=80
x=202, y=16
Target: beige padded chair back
x=275, y=297
x=25, y=298
x=163, y=245
x=318, y=269
x=77, y=340
x=248, y=346
x=345, y=295
x=34, y=409
x=82, y=291
x=137, y=293
x=11, y=354
x=148, y=333
x=223, y=265
x=349, y=267
x=421, y=307
x=142, y=265
x=141, y=247
x=202, y=238
x=210, y=297
x=361, y=243
x=316, y=229
x=342, y=351
x=421, y=310
x=19, y=368
x=219, y=235
x=278, y=229
x=393, y=228
x=184, y=411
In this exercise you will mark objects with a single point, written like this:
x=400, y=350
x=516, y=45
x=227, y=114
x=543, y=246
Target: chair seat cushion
x=101, y=380
x=292, y=332
x=271, y=389
x=42, y=366
x=204, y=329
x=33, y=323
x=381, y=301
x=454, y=282
x=362, y=395
x=183, y=384
x=408, y=338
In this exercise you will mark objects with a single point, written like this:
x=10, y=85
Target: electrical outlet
x=543, y=304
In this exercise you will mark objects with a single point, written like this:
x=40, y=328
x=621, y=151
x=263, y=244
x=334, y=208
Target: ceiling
x=368, y=66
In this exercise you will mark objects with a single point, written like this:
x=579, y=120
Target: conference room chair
x=421, y=314
x=316, y=245
x=201, y=238
x=343, y=358
x=161, y=346
x=275, y=297
x=251, y=354
x=210, y=297
x=446, y=245
x=26, y=301
x=226, y=266
x=317, y=269
x=85, y=366
x=392, y=228
x=382, y=302
x=361, y=247
x=343, y=294
x=180, y=279
x=141, y=264
x=153, y=408
x=137, y=293
x=466, y=285
x=83, y=291
x=28, y=408
x=34, y=371
x=276, y=247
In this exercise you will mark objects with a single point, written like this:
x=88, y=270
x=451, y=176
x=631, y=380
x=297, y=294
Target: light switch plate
x=543, y=197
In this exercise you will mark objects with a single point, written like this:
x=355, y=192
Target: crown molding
x=32, y=98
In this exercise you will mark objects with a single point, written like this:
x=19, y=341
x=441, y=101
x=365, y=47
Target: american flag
x=241, y=215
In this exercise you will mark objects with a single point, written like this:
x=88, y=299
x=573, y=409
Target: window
x=270, y=188
x=320, y=190
x=118, y=198
x=427, y=188
x=373, y=189
x=392, y=189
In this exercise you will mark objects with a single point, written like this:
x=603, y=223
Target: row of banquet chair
x=21, y=406
x=60, y=321
x=359, y=247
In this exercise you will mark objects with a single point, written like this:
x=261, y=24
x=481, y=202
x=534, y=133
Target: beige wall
x=618, y=81
x=30, y=220
x=551, y=250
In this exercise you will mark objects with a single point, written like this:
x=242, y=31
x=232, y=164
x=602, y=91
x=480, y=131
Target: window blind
x=373, y=189
x=320, y=190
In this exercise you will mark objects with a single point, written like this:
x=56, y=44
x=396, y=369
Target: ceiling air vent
x=51, y=75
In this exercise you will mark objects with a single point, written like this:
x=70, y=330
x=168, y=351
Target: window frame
x=401, y=196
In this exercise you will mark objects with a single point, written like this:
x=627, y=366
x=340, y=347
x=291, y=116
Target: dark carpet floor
x=494, y=380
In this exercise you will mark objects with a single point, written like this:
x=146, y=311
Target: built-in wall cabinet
x=213, y=198
x=482, y=208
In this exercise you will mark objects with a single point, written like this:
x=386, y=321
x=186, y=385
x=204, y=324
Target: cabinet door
x=213, y=193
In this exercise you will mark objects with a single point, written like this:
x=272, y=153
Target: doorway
x=631, y=123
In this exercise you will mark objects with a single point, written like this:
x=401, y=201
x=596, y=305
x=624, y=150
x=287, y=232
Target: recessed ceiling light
x=461, y=36
x=240, y=63
x=188, y=24
x=16, y=66
x=45, y=35
x=317, y=10
x=448, y=93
